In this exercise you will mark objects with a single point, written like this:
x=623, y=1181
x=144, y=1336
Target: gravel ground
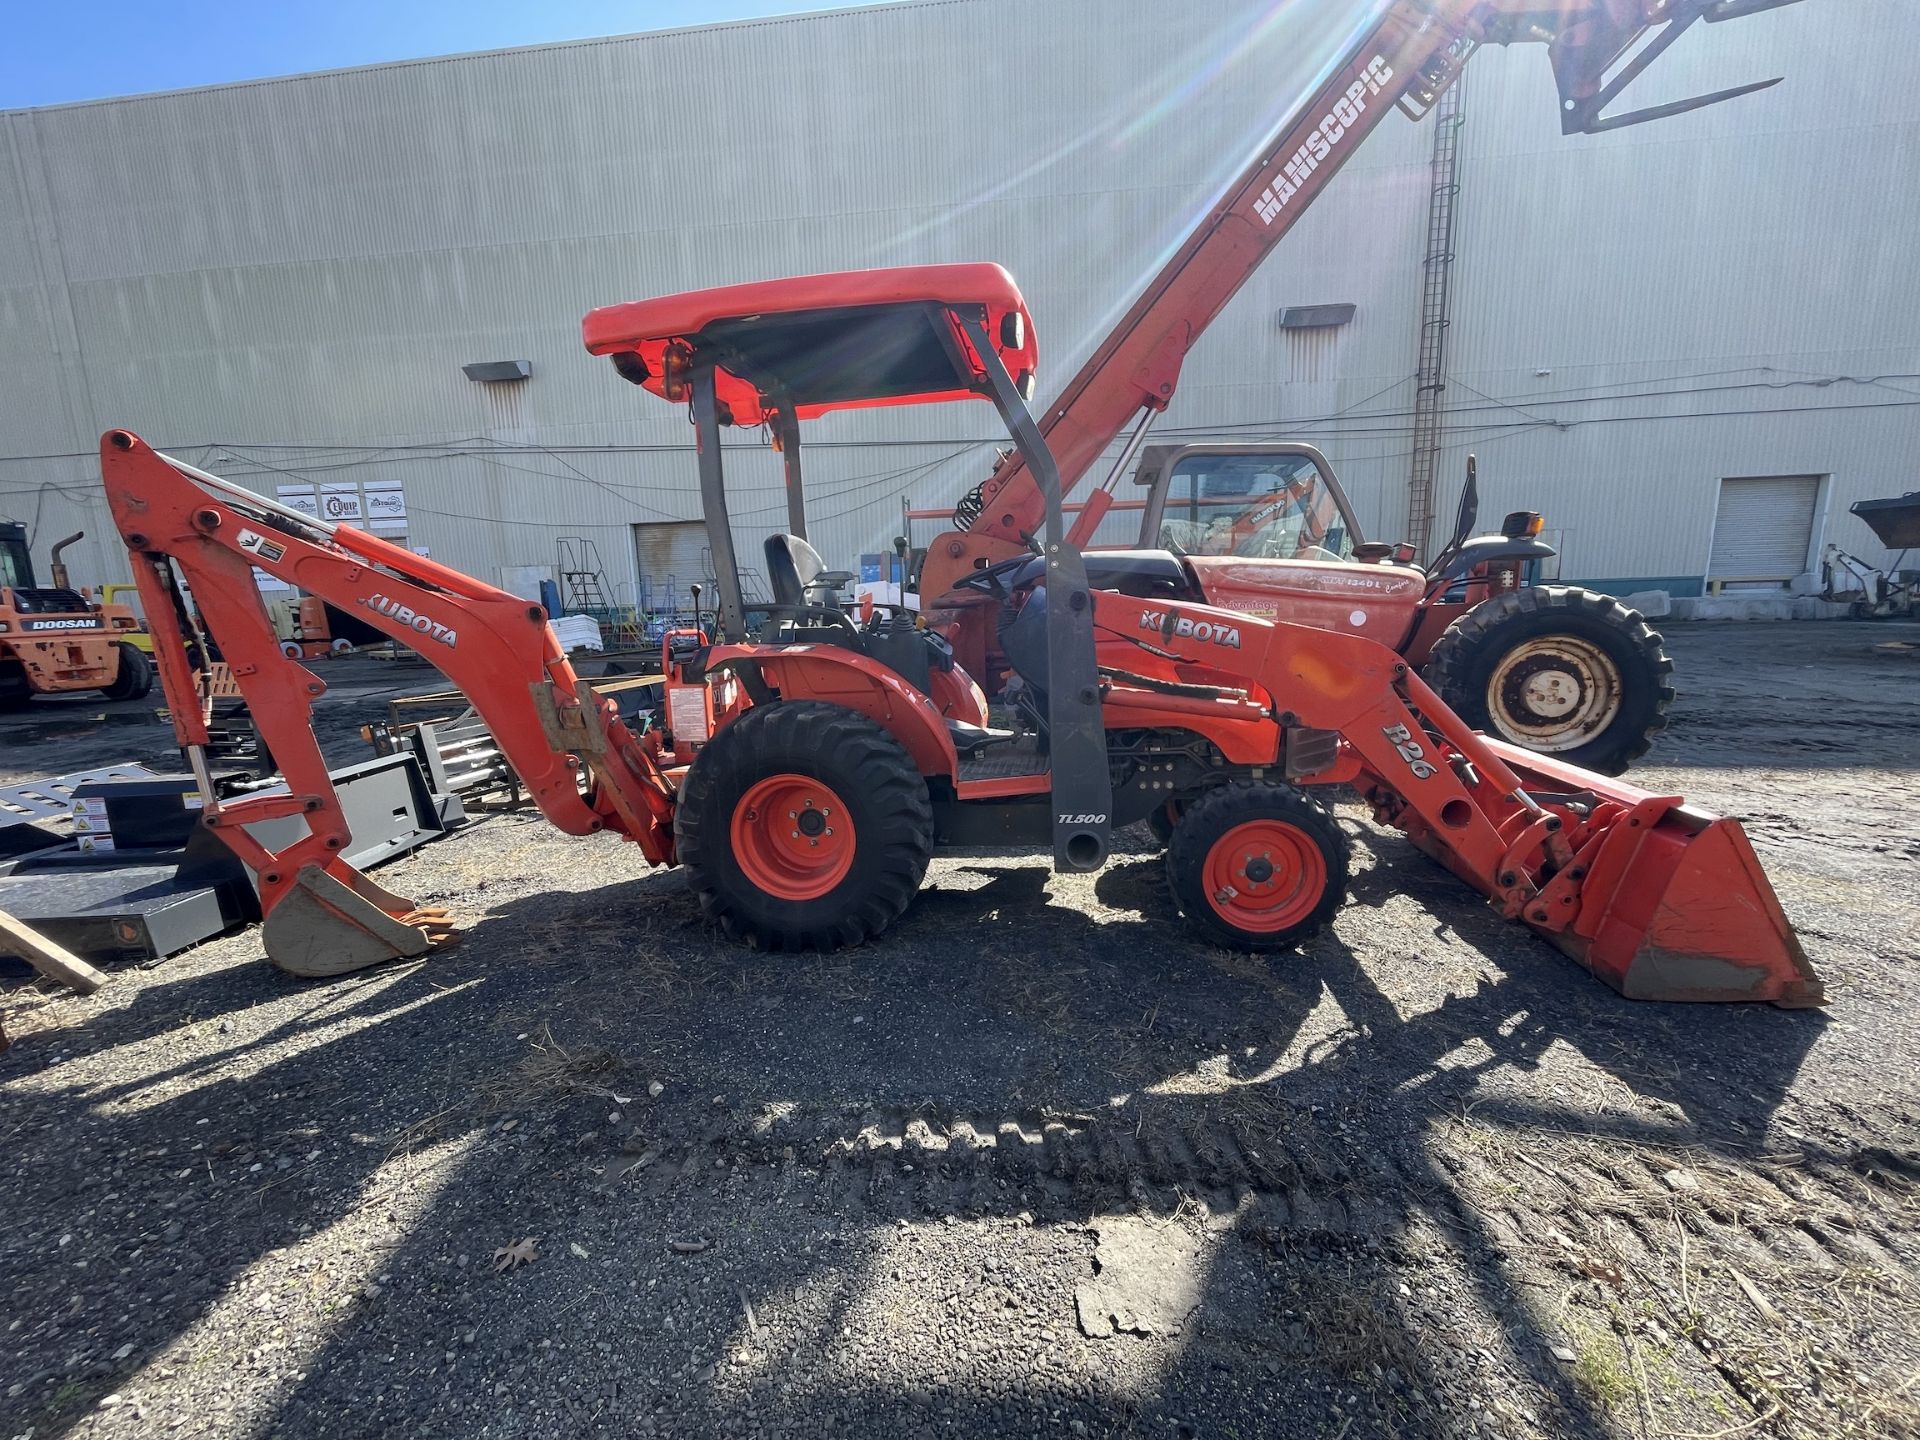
x=1035, y=1164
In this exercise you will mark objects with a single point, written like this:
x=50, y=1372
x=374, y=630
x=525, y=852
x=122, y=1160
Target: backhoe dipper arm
x=321, y=915
x=1408, y=57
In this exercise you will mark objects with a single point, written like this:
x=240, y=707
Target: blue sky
x=88, y=49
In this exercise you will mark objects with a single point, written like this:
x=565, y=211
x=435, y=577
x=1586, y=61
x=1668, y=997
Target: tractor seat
x=1023, y=640
x=971, y=741
x=799, y=576
x=1138, y=574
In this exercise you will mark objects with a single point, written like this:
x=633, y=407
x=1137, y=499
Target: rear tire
x=1560, y=670
x=804, y=826
x=135, y=676
x=1257, y=866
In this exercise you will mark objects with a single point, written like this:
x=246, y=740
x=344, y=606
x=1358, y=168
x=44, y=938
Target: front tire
x=1559, y=670
x=1257, y=866
x=804, y=826
x=15, y=690
x=134, y=678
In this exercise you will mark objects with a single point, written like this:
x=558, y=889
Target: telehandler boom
x=1405, y=60
x=1562, y=670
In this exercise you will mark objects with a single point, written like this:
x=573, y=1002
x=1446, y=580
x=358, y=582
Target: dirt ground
x=1036, y=1163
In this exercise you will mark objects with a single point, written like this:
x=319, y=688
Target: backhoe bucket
x=1672, y=904
x=326, y=925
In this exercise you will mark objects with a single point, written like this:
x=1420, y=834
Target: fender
x=956, y=694
x=1485, y=549
x=844, y=677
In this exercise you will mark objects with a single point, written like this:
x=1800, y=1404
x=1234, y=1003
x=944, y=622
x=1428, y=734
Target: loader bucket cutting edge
x=327, y=926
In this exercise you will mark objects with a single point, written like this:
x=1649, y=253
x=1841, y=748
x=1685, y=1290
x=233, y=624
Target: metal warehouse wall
x=1744, y=277
x=282, y=279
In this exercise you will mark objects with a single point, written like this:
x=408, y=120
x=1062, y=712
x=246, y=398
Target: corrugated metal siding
x=1732, y=260
x=308, y=262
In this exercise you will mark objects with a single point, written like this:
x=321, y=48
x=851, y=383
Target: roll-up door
x=671, y=556
x=1763, y=529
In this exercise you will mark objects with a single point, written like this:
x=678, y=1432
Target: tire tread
x=893, y=849
x=1449, y=665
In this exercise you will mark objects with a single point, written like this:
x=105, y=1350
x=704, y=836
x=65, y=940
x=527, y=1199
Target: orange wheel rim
x=1265, y=876
x=792, y=837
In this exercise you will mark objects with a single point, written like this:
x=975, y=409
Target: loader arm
x=1406, y=58
x=1659, y=900
x=582, y=766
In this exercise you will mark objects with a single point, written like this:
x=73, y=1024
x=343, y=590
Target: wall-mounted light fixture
x=491, y=372
x=1316, y=317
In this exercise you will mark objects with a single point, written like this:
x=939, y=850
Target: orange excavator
x=805, y=767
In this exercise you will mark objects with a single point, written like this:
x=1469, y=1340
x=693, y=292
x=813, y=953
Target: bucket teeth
x=434, y=921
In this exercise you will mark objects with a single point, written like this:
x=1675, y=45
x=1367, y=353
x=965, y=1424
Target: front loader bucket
x=324, y=926
x=1672, y=904
x=1680, y=910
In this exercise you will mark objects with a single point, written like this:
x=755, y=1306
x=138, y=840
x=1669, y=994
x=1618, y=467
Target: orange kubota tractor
x=1558, y=669
x=804, y=769
x=56, y=641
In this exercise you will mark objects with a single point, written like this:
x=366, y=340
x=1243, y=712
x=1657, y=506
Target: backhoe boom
x=495, y=647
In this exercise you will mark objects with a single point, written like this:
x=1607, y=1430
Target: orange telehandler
x=1556, y=668
x=803, y=771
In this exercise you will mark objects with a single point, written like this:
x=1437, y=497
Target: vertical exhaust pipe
x=58, y=567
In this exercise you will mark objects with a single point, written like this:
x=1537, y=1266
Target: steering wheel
x=992, y=579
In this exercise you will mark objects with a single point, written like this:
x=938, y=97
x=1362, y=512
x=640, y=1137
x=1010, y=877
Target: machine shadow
x=1002, y=1059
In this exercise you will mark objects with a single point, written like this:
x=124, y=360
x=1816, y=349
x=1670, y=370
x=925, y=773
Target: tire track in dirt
x=1809, y=1205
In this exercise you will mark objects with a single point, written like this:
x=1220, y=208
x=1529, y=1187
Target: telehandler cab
x=804, y=772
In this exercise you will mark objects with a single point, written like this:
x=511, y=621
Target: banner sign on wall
x=340, y=502
x=386, y=505
x=301, y=498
